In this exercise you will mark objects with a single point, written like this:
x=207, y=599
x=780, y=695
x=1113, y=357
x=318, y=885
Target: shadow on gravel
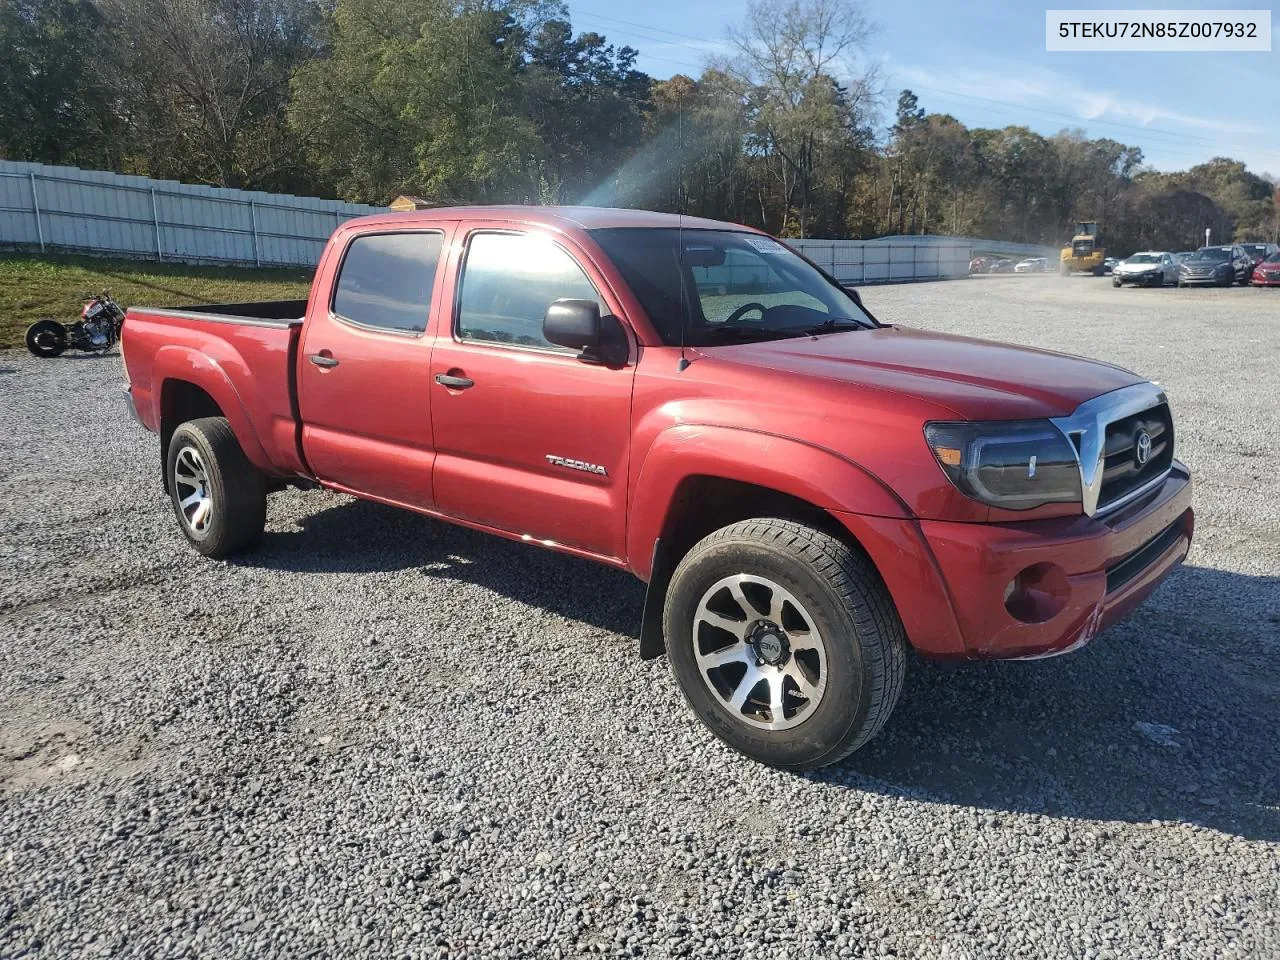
x=1075, y=736
x=1055, y=737
x=358, y=536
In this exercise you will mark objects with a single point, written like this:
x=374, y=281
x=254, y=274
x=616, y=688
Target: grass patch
x=33, y=286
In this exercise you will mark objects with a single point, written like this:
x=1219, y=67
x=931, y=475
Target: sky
x=985, y=64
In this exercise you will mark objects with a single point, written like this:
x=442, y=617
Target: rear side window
x=508, y=281
x=386, y=280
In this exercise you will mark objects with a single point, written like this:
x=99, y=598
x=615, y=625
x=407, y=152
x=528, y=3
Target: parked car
x=1031, y=265
x=1002, y=266
x=978, y=265
x=1183, y=255
x=1108, y=265
x=1151, y=268
x=1267, y=273
x=805, y=490
x=1222, y=266
x=1259, y=252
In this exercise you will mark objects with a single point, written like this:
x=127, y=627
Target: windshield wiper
x=834, y=325
x=743, y=332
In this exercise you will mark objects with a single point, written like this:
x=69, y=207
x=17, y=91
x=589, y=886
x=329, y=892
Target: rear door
x=364, y=365
x=529, y=439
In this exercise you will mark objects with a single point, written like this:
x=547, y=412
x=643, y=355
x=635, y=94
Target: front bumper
x=1271, y=280
x=949, y=580
x=1215, y=279
x=1139, y=279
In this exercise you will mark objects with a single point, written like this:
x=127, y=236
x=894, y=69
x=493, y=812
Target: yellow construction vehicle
x=1085, y=253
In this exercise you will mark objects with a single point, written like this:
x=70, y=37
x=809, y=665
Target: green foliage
x=52, y=109
x=470, y=104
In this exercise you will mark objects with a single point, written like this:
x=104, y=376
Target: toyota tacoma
x=806, y=491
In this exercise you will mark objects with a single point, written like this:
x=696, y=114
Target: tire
x=47, y=338
x=854, y=637
x=205, y=458
x=1117, y=283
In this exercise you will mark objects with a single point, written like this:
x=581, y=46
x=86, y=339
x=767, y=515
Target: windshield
x=1274, y=258
x=1212, y=253
x=1143, y=258
x=738, y=286
x=1257, y=249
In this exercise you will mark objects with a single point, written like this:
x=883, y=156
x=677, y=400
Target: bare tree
x=207, y=82
x=805, y=93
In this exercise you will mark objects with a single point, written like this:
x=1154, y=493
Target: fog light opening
x=1038, y=593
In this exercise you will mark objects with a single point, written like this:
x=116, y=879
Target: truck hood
x=973, y=379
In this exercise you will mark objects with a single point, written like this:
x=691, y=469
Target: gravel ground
x=382, y=736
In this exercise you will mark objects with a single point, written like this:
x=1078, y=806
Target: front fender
x=176, y=362
x=803, y=470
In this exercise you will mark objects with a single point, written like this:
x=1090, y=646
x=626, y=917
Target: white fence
x=903, y=259
x=65, y=208
x=44, y=207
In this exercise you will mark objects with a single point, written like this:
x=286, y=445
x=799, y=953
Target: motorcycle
x=96, y=331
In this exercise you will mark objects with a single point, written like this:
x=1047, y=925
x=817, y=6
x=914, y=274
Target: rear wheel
x=219, y=497
x=46, y=338
x=785, y=642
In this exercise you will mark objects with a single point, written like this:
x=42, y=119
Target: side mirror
x=573, y=323
x=577, y=324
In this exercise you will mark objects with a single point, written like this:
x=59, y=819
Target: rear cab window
x=385, y=281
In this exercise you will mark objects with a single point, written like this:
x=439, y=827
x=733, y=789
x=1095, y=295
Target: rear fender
x=181, y=363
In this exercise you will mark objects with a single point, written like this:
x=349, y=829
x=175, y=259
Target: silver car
x=1151, y=268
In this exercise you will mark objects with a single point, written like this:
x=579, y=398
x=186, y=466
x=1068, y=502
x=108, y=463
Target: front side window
x=386, y=280
x=508, y=281
x=724, y=286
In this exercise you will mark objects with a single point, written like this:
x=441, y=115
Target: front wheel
x=47, y=338
x=219, y=497
x=1116, y=283
x=785, y=642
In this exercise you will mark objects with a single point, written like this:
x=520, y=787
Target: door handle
x=454, y=383
x=320, y=360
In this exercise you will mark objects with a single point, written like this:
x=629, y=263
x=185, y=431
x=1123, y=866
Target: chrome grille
x=1122, y=473
x=1105, y=432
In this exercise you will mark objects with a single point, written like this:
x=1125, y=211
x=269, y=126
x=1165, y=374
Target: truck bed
x=276, y=312
x=241, y=355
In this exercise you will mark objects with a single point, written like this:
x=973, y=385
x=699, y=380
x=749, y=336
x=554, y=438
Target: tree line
x=486, y=101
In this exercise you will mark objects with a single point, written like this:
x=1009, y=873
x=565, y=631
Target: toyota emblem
x=1142, y=447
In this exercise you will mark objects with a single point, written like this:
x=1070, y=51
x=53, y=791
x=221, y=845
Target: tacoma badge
x=577, y=465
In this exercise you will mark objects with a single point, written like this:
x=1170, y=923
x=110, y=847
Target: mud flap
x=652, y=642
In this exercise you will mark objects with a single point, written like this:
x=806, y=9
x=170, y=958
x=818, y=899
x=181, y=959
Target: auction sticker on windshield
x=1158, y=30
x=765, y=245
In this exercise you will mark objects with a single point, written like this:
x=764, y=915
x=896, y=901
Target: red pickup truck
x=805, y=490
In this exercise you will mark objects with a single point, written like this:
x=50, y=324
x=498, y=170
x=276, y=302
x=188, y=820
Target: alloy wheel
x=759, y=652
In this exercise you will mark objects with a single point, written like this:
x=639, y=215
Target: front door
x=363, y=368
x=529, y=439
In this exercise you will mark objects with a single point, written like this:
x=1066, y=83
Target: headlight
x=1011, y=464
